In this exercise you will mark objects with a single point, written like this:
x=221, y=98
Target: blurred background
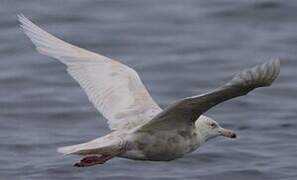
x=179, y=48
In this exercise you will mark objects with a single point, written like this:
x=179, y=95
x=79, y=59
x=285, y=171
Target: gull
x=140, y=129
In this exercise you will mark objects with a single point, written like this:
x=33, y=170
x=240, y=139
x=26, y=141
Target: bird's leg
x=93, y=160
x=99, y=159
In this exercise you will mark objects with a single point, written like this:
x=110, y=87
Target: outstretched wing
x=115, y=89
x=188, y=110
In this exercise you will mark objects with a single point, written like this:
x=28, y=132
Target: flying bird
x=140, y=129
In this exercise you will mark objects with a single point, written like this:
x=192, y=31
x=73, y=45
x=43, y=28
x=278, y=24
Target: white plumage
x=141, y=129
x=115, y=89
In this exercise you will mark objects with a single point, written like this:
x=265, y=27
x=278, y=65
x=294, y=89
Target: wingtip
x=23, y=21
x=275, y=62
x=21, y=17
x=258, y=76
x=275, y=65
x=268, y=72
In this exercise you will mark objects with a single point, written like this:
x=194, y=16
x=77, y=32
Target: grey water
x=179, y=48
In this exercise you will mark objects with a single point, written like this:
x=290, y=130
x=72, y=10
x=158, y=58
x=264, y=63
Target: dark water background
x=179, y=48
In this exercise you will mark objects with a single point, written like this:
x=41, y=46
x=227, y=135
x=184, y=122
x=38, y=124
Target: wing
x=188, y=110
x=115, y=89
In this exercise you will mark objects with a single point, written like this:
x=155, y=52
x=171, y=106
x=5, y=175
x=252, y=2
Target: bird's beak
x=227, y=133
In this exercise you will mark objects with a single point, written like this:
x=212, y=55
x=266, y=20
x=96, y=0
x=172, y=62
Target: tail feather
x=103, y=145
x=87, y=148
x=66, y=150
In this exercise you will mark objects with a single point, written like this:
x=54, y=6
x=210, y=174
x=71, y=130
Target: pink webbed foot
x=93, y=160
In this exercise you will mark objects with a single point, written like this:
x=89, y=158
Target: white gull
x=141, y=130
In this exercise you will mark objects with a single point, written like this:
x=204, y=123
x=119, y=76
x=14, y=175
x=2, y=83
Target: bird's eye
x=213, y=125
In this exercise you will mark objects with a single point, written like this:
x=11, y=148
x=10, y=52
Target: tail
x=73, y=149
x=91, y=148
x=108, y=144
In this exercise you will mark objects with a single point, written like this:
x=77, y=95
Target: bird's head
x=209, y=128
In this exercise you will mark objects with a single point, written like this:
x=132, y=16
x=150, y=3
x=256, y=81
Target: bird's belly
x=162, y=146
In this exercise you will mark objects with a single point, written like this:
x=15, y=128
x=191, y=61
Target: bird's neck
x=203, y=135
